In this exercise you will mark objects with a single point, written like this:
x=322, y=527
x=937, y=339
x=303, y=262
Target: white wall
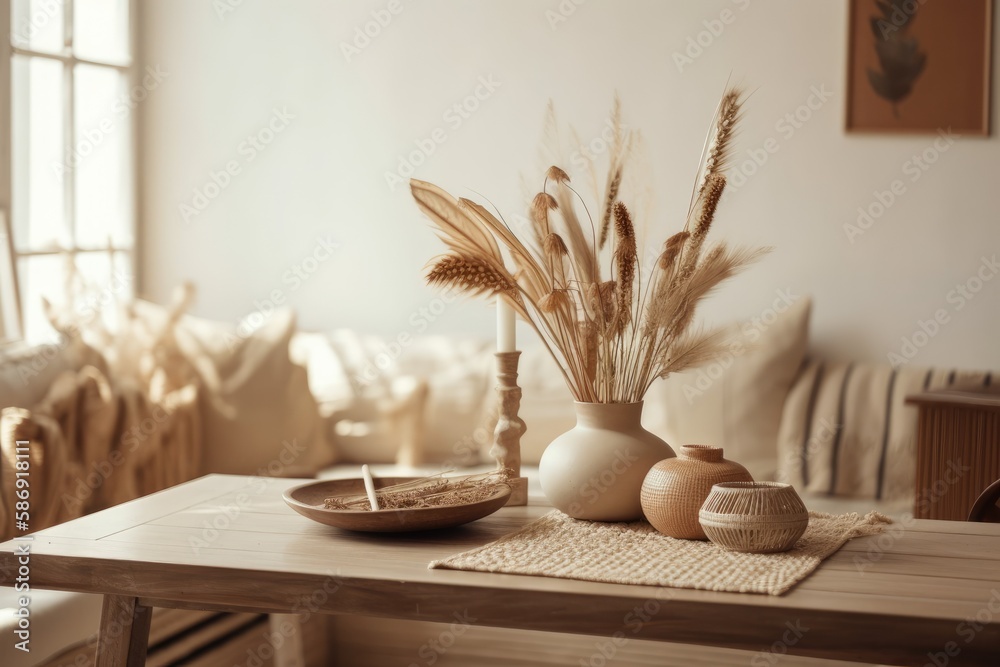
x=324, y=173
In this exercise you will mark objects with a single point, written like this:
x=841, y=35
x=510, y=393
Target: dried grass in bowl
x=432, y=491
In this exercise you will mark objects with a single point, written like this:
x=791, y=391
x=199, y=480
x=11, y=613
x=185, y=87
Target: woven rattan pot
x=675, y=489
x=755, y=517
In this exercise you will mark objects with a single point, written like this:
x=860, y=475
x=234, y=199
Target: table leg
x=124, y=634
x=289, y=653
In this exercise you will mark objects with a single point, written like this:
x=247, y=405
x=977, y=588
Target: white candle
x=505, y=326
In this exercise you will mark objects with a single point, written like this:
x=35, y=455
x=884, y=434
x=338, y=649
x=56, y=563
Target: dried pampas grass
x=614, y=334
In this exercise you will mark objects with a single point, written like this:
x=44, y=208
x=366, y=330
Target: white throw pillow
x=736, y=401
x=258, y=415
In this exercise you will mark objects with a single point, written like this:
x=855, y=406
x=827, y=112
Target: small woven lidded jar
x=675, y=489
x=754, y=517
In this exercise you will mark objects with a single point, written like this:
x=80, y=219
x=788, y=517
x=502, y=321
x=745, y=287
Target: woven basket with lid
x=674, y=489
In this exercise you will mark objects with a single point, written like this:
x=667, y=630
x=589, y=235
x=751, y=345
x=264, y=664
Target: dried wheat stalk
x=611, y=336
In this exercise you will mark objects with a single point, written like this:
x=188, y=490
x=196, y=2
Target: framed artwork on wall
x=919, y=66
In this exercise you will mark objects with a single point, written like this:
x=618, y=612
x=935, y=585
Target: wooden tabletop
x=230, y=543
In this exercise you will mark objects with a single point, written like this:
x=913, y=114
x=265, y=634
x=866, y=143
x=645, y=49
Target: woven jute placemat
x=634, y=553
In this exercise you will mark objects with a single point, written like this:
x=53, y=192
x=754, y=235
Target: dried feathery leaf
x=556, y=174
x=471, y=274
x=720, y=151
x=692, y=249
x=540, y=207
x=721, y=263
x=693, y=349
x=617, y=168
x=607, y=299
x=587, y=331
x=553, y=301
x=542, y=204
x=613, y=186
x=714, y=187
x=531, y=276
x=459, y=230
x=554, y=246
x=626, y=252
x=626, y=257
x=590, y=299
x=582, y=255
x=671, y=249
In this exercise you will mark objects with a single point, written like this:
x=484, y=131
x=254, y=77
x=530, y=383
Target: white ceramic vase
x=595, y=471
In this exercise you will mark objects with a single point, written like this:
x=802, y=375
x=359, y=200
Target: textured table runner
x=635, y=553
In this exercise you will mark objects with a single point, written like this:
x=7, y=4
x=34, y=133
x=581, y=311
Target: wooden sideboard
x=958, y=450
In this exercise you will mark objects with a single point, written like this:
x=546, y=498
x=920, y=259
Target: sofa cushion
x=257, y=413
x=735, y=402
x=383, y=396
x=846, y=430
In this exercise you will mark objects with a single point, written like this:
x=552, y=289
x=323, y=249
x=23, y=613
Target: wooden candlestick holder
x=510, y=427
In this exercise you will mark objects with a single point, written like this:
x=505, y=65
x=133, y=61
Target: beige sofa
x=838, y=431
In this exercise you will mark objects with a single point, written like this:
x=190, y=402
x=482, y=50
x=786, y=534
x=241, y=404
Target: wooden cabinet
x=958, y=450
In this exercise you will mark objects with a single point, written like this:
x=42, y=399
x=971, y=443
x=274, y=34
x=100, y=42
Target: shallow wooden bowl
x=307, y=500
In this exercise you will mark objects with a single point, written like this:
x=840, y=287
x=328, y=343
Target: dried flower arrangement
x=611, y=334
x=432, y=491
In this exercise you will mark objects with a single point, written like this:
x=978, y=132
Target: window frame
x=13, y=332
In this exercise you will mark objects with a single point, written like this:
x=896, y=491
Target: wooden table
x=229, y=543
